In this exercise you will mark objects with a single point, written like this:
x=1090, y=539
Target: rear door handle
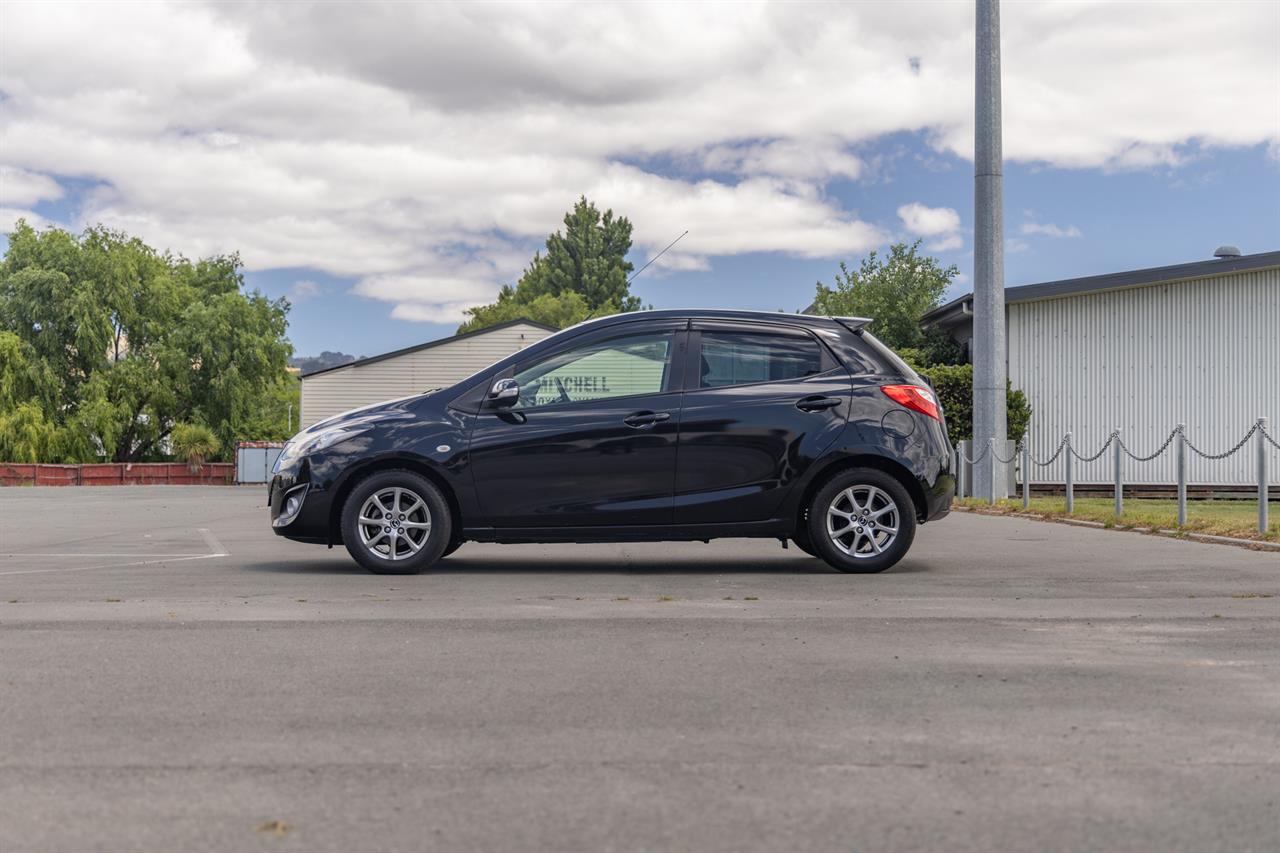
x=639, y=420
x=817, y=404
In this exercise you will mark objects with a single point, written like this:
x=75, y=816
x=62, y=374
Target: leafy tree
x=25, y=434
x=560, y=311
x=117, y=343
x=896, y=292
x=269, y=418
x=583, y=274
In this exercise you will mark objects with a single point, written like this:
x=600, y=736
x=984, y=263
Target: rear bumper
x=938, y=476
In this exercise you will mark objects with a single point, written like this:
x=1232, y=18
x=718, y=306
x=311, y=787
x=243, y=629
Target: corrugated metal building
x=405, y=372
x=1142, y=351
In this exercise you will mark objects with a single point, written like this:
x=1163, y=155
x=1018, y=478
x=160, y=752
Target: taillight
x=914, y=397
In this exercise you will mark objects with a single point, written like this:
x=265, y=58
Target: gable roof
x=429, y=344
x=1112, y=281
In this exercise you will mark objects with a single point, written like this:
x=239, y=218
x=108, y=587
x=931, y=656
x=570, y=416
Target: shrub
x=194, y=443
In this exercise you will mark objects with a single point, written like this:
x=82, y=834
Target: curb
x=1208, y=538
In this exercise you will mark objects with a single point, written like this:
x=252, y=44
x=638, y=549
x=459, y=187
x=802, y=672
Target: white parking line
x=216, y=549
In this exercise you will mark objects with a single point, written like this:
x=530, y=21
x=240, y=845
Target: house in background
x=403, y=373
x=1142, y=351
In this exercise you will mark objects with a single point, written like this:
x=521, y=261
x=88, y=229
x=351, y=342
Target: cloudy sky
x=386, y=166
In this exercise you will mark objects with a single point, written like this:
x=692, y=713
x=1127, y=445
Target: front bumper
x=310, y=523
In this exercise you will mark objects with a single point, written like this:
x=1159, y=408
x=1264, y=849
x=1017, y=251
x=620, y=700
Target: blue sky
x=386, y=166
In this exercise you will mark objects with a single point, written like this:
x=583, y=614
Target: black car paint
x=732, y=461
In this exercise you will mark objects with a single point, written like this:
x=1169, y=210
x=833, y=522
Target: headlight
x=302, y=445
x=329, y=437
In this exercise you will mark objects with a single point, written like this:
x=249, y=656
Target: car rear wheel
x=862, y=521
x=396, y=523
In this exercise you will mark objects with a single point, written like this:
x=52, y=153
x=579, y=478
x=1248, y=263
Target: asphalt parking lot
x=174, y=677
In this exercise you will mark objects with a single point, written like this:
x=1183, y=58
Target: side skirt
x=771, y=529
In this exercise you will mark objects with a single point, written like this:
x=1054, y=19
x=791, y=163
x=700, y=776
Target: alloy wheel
x=863, y=521
x=394, y=523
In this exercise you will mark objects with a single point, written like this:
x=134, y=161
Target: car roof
x=805, y=320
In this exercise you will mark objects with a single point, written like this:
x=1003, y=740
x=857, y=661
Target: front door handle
x=640, y=420
x=817, y=404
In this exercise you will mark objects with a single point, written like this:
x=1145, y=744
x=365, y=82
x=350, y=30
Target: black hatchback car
x=657, y=425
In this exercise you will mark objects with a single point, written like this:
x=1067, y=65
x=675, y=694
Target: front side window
x=741, y=358
x=619, y=367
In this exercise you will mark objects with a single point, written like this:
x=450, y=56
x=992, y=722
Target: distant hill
x=326, y=359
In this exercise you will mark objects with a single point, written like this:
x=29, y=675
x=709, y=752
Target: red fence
x=118, y=474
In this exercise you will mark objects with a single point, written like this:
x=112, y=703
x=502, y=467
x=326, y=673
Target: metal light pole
x=989, y=414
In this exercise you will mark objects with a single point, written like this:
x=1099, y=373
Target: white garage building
x=1142, y=351
x=410, y=371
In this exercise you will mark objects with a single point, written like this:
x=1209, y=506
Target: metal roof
x=1116, y=280
x=429, y=344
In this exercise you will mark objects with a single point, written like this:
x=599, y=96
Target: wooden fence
x=118, y=474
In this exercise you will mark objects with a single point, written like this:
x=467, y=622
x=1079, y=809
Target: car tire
x=451, y=547
x=861, y=521
x=415, y=526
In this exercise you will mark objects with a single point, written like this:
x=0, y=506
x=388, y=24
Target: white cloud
x=9, y=217
x=1050, y=230
x=438, y=143
x=942, y=223
x=928, y=221
x=20, y=187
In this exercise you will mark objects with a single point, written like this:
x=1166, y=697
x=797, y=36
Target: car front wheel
x=396, y=523
x=862, y=521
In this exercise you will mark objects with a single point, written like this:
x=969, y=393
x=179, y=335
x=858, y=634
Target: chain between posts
x=1149, y=457
x=1178, y=433
x=1241, y=443
x=976, y=459
x=1054, y=457
x=1016, y=449
x=1114, y=435
x=1266, y=436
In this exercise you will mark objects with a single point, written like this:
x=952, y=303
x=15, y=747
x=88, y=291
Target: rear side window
x=740, y=358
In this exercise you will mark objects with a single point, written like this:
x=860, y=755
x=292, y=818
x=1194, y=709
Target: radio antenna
x=655, y=257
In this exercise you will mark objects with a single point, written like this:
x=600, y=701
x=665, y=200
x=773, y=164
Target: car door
x=761, y=403
x=592, y=440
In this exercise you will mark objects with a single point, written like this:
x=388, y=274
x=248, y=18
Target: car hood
x=399, y=407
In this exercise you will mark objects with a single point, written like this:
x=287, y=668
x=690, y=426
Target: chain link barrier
x=975, y=460
x=1114, y=435
x=1239, y=444
x=1149, y=457
x=1017, y=448
x=1054, y=458
x=1259, y=428
x=1266, y=435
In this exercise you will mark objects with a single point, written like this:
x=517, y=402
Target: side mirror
x=504, y=393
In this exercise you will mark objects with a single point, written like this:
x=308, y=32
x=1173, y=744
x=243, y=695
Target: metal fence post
x=1071, y=498
x=991, y=451
x=960, y=479
x=1182, y=475
x=1262, y=475
x=1026, y=472
x=1119, y=472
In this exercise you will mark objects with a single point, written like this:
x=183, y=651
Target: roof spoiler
x=853, y=324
